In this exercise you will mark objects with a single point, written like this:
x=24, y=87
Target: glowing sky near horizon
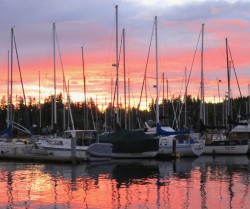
x=91, y=24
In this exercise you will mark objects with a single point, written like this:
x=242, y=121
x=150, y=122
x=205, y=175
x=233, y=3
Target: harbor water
x=203, y=182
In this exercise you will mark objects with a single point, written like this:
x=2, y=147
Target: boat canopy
x=160, y=131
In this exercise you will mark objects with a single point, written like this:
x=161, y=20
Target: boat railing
x=83, y=137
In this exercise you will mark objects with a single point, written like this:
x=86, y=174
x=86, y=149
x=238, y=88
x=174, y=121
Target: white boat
x=242, y=129
x=14, y=146
x=185, y=146
x=38, y=140
x=74, y=143
x=81, y=144
x=218, y=143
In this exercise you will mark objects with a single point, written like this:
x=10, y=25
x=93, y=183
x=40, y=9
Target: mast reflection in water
x=204, y=182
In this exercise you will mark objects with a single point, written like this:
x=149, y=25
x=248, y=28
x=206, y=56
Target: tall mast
x=68, y=109
x=156, y=56
x=11, y=74
x=105, y=121
x=185, y=97
x=129, y=112
x=202, y=105
x=96, y=113
x=84, y=89
x=124, y=66
x=8, y=90
x=228, y=81
x=248, y=99
x=163, y=96
x=54, y=55
x=40, y=113
x=117, y=86
x=64, y=104
x=69, y=105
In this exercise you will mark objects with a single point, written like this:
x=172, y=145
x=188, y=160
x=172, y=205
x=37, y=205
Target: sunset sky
x=91, y=24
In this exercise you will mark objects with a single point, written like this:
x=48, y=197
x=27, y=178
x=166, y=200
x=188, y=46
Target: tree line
x=39, y=117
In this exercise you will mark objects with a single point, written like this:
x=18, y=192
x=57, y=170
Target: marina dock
x=48, y=158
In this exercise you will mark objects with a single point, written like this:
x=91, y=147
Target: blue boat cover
x=7, y=131
x=162, y=132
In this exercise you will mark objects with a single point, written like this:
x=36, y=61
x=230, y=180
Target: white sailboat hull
x=183, y=149
x=228, y=149
x=60, y=151
x=15, y=149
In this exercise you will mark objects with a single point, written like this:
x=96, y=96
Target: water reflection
x=226, y=179
x=203, y=182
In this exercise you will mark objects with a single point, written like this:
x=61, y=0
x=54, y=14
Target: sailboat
x=185, y=145
x=220, y=142
x=10, y=145
x=74, y=143
x=129, y=143
x=242, y=129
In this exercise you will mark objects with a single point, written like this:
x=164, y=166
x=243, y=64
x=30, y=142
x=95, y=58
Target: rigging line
x=152, y=99
x=182, y=83
x=113, y=103
x=145, y=72
x=108, y=68
x=193, y=62
x=27, y=121
x=64, y=82
x=136, y=111
x=174, y=121
x=118, y=69
x=190, y=72
x=120, y=52
x=84, y=76
x=19, y=68
x=192, y=65
x=179, y=105
x=234, y=71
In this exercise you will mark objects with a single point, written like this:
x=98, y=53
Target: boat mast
x=8, y=90
x=40, y=113
x=202, y=105
x=129, y=112
x=64, y=105
x=54, y=55
x=185, y=97
x=163, y=96
x=11, y=75
x=84, y=89
x=228, y=81
x=228, y=78
x=248, y=99
x=124, y=66
x=156, y=56
x=117, y=66
x=96, y=114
